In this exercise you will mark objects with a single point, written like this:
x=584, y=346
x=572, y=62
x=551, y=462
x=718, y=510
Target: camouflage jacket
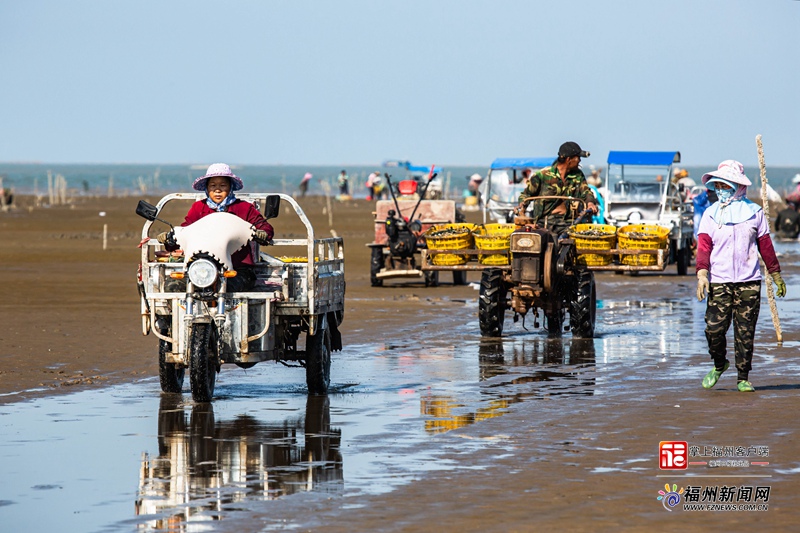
x=548, y=182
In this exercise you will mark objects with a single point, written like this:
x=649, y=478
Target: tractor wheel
x=492, y=303
x=555, y=323
x=459, y=277
x=583, y=306
x=375, y=266
x=682, y=257
x=431, y=278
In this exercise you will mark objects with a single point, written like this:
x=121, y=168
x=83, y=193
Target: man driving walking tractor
x=563, y=178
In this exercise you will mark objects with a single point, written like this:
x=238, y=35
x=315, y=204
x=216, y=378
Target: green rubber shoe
x=712, y=377
x=745, y=386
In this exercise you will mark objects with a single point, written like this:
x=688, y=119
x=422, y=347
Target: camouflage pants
x=741, y=303
x=558, y=224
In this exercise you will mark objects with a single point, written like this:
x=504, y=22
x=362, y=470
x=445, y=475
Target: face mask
x=724, y=194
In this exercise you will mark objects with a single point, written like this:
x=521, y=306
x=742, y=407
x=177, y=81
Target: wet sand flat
x=70, y=323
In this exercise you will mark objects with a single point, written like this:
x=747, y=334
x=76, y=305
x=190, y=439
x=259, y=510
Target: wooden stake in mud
x=776, y=321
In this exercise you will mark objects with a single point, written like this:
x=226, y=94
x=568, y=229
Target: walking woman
x=731, y=231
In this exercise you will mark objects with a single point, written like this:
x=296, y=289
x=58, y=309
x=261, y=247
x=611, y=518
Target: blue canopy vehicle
x=500, y=190
x=638, y=189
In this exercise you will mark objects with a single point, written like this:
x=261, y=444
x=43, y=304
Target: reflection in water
x=569, y=369
x=443, y=408
x=204, y=465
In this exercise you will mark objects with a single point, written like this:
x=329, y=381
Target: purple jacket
x=730, y=252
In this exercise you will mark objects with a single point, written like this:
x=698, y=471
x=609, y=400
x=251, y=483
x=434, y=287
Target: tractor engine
x=402, y=237
x=531, y=255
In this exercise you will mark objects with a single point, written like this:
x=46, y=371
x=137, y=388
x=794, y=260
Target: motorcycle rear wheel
x=203, y=362
x=170, y=374
x=318, y=360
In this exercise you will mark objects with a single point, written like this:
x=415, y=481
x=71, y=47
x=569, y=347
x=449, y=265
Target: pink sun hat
x=218, y=169
x=730, y=171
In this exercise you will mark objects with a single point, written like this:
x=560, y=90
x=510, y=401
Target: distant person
x=373, y=185
x=6, y=198
x=343, y=181
x=794, y=196
x=304, y=184
x=473, y=185
x=563, y=178
x=219, y=184
x=593, y=180
x=701, y=202
x=733, y=233
x=679, y=174
x=787, y=223
x=523, y=176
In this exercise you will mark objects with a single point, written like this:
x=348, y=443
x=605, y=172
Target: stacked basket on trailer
x=449, y=237
x=633, y=238
x=594, y=237
x=489, y=244
x=641, y=237
x=494, y=243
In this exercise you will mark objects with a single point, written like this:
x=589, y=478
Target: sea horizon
x=94, y=179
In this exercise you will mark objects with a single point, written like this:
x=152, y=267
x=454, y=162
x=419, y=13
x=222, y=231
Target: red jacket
x=245, y=211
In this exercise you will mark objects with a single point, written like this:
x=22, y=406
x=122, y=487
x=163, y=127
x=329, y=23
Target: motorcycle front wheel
x=203, y=362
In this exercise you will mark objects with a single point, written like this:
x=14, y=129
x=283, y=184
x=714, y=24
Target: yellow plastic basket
x=602, y=239
x=595, y=259
x=449, y=259
x=642, y=237
x=493, y=237
x=460, y=241
x=493, y=259
x=638, y=260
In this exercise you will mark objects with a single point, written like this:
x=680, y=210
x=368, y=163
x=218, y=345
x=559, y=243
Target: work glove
x=261, y=237
x=167, y=238
x=780, y=290
x=702, y=284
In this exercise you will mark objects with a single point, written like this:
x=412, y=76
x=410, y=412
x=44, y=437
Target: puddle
x=127, y=457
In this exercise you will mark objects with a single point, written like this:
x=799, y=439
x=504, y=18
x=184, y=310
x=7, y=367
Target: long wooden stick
x=776, y=321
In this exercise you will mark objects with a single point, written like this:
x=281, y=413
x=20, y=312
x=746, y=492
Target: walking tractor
x=201, y=325
x=399, y=227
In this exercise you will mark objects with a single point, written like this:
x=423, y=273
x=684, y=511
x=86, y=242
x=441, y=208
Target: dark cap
x=571, y=149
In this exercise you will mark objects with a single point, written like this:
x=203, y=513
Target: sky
x=452, y=82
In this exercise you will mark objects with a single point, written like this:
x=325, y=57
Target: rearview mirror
x=146, y=210
x=272, y=207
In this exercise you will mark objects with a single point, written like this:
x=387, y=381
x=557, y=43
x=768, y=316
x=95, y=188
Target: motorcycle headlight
x=202, y=273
